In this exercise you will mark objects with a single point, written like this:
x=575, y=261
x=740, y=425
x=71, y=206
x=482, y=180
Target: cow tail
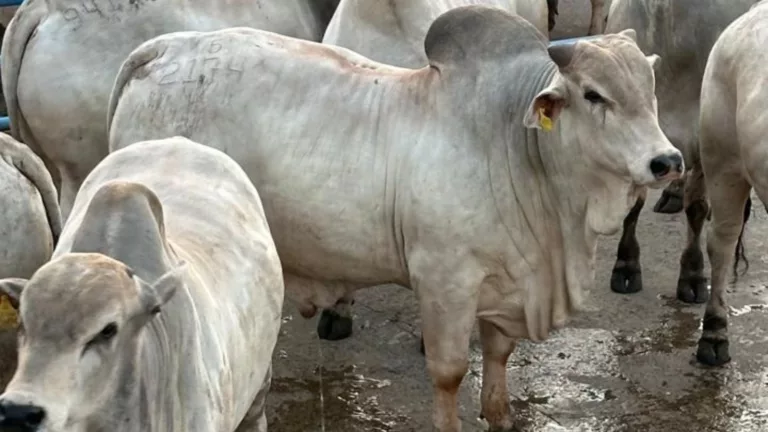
x=138, y=58
x=18, y=34
x=32, y=167
x=740, y=254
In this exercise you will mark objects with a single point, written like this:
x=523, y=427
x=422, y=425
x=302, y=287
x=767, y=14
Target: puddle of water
x=347, y=405
x=678, y=329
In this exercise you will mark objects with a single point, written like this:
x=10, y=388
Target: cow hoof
x=692, y=290
x=713, y=352
x=626, y=281
x=668, y=203
x=333, y=326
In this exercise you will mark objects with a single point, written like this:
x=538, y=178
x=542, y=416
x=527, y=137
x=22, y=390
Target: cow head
x=603, y=99
x=81, y=318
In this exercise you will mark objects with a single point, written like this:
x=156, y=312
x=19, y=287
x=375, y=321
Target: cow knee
x=447, y=374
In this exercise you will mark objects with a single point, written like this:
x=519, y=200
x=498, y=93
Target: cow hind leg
x=336, y=323
x=691, y=283
x=627, y=275
x=728, y=196
x=495, y=397
x=671, y=200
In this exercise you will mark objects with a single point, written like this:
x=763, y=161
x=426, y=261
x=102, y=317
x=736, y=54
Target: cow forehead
x=617, y=65
x=67, y=296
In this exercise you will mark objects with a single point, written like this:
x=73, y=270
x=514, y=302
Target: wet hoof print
x=626, y=280
x=713, y=352
x=333, y=326
x=669, y=203
x=692, y=289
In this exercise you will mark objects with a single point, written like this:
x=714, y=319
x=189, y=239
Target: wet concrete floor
x=626, y=364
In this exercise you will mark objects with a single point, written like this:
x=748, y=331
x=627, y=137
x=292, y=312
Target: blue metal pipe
x=5, y=123
x=565, y=41
x=6, y=3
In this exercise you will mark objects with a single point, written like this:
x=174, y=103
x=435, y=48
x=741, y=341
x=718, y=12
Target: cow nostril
x=35, y=416
x=661, y=165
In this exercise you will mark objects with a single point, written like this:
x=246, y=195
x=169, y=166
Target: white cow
x=30, y=222
x=734, y=155
x=60, y=57
x=392, y=32
x=482, y=180
x=683, y=33
x=160, y=308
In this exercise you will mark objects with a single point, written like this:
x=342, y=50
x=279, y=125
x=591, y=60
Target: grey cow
x=481, y=180
x=160, y=309
x=683, y=33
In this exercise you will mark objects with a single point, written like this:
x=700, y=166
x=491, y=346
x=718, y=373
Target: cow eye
x=108, y=332
x=593, y=96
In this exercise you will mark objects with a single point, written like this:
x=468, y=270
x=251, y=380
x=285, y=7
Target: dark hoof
x=668, y=203
x=692, y=290
x=626, y=280
x=333, y=326
x=713, y=352
x=421, y=348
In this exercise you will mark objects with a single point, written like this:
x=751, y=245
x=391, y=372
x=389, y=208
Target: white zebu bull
x=117, y=334
x=392, y=32
x=682, y=32
x=734, y=156
x=30, y=222
x=440, y=179
x=60, y=58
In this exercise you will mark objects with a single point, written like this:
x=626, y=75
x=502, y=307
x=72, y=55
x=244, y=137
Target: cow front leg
x=448, y=316
x=627, y=276
x=728, y=196
x=691, y=283
x=336, y=323
x=671, y=200
x=495, y=397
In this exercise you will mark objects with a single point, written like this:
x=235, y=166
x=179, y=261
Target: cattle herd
x=175, y=168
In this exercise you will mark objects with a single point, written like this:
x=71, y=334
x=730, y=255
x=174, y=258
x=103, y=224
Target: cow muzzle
x=17, y=417
x=667, y=167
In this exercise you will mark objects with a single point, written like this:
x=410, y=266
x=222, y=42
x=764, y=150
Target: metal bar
x=7, y=3
x=567, y=41
x=5, y=124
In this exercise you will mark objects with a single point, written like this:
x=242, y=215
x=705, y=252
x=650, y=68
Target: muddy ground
x=625, y=365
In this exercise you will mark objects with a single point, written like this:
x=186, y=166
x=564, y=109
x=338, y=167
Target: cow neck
x=587, y=198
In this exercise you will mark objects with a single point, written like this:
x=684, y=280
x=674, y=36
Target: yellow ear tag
x=7, y=314
x=544, y=121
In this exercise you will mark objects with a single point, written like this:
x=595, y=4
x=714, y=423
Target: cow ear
x=546, y=107
x=12, y=288
x=630, y=33
x=155, y=296
x=654, y=61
